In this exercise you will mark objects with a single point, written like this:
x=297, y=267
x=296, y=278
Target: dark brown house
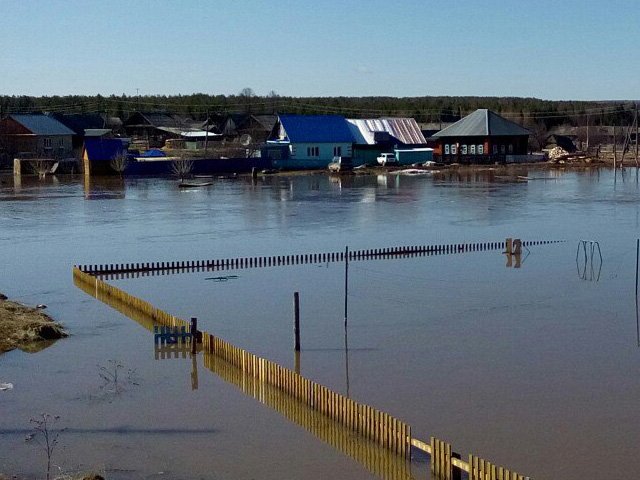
x=34, y=135
x=481, y=137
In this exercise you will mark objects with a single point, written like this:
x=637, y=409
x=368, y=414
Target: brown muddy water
x=536, y=368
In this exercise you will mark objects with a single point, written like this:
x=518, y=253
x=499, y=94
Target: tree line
x=530, y=112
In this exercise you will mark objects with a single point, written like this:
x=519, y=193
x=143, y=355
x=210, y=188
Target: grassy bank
x=26, y=328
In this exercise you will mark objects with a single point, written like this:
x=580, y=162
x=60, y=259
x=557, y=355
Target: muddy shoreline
x=26, y=328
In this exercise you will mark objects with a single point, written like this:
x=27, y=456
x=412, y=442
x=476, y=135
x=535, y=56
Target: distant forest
x=530, y=112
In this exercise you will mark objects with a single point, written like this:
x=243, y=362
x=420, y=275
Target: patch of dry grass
x=26, y=328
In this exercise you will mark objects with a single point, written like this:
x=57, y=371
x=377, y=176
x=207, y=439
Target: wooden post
x=17, y=167
x=508, y=246
x=296, y=321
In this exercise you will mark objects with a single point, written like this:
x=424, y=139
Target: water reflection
x=100, y=188
x=376, y=459
x=379, y=461
x=589, y=260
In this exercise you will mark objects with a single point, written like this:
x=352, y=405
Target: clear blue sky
x=562, y=49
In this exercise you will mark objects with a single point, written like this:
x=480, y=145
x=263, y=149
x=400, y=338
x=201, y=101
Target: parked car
x=385, y=159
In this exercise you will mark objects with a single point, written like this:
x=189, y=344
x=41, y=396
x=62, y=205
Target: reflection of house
x=481, y=137
x=156, y=128
x=375, y=136
x=308, y=141
x=35, y=135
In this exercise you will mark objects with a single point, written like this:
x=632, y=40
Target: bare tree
x=40, y=167
x=119, y=163
x=246, y=96
x=45, y=436
x=181, y=168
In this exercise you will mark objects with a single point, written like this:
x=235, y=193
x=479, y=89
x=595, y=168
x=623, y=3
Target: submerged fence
x=124, y=270
x=368, y=422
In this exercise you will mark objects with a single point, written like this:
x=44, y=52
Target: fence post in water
x=517, y=246
x=346, y=283
x=508, y=249
x=296, y=320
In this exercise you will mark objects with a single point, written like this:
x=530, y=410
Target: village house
x=35, y=135
x=308, y=141
x=481, y=137
x=153, y=129
x=375, y=136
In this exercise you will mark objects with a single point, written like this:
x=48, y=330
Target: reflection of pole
x=346, y=283
x=637, y=320
x=346, y=358
x=297, y=363
x=194, y=373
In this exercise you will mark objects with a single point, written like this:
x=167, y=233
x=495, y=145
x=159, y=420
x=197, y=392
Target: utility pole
x=206, y=135
x=587, y=133
x=636, y=122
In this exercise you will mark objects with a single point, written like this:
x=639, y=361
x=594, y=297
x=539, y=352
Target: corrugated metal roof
x=42, y=125
x=481, y=123
x=403, y=130
x=316, y=128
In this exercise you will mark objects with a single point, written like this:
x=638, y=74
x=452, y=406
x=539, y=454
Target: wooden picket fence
x=127, y=270
x=370, y=423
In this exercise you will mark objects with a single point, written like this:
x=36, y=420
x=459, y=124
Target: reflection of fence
x=376, y=426
x=589, y=264
x=124, y=270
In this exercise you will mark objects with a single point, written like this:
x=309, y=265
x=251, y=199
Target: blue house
x=308, y=141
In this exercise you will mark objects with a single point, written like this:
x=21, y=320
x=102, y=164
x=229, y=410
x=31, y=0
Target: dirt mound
x=26, y=328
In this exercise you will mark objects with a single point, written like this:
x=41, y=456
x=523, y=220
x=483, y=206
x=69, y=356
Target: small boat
x=194, y=184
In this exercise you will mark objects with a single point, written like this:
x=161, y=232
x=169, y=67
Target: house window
x=61, y=142
x=480, y=149
x=495, y=149
x=454, y=149
x=464, y=149
x=47, y=143
x=511, y=148
x=473, y=149
x=313, y=151
x=446, y=149
x=502, y=149
x=337, y=151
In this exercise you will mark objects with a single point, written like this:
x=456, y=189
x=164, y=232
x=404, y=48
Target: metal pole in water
x=296, y=321
x=346, y=283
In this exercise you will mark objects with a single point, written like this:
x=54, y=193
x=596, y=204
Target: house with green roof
x=481, y=137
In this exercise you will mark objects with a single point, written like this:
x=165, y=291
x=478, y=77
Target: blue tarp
x=153, y=152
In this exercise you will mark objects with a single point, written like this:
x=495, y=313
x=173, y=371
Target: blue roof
x=316, y=128
x=104, y=148
x=42, y=125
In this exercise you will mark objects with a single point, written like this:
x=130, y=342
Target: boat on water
x=194, y=184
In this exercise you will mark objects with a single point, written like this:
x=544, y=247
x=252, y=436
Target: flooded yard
x=533, y=365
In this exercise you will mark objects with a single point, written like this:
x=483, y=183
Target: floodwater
x=532, y=366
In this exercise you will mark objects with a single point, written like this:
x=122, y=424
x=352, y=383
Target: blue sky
x=547, y=49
